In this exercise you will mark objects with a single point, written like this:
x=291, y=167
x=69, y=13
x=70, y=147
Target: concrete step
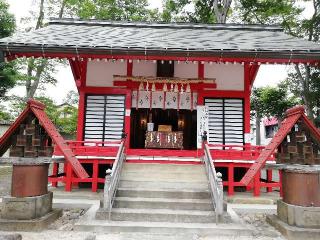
x=163, y=193
x=102, y=226
x=157, y=185
x=166, y=168
x=162, y=215
x=164, y=176
x=163, y=203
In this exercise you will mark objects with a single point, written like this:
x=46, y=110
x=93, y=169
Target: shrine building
x=162, y=85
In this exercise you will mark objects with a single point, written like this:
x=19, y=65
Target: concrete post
x=106, y=193
x=220, y=191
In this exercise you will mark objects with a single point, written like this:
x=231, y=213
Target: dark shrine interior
x=182, y=120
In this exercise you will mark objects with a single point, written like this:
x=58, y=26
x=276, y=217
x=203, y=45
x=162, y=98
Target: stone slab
x=37, y=224
x=293, y=232
x=26, y=208
x=305, y=217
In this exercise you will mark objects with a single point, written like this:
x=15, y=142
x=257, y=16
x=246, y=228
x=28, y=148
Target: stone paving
x=77, y=203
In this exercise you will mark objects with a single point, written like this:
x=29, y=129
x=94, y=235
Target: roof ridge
x=174, y=25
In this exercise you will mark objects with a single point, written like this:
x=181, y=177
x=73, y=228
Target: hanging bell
x=141, y=86
x=153, y=88
x=165, y=88
x=182, y=88
x=176, y=88
x=147, y=87
x=188, y=88
x=171, y=87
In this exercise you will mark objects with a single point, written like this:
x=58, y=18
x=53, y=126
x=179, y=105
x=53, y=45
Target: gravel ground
x=263, y=229
x=67, y=220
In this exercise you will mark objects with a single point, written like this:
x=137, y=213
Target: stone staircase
x=163, y=193
x=161, y=199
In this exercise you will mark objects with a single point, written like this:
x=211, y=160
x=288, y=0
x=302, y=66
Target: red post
x=231, y=179
x=269, y=179
x=247, y=93
x=95, y=171
x=256, y=183
x=81, y=113
x=55, y=171
x=68, y=186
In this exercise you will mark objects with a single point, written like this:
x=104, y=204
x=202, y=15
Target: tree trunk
x=63, y=4
x=258, y=131
x=221, y=9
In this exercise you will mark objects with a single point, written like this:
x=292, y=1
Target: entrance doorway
x=182, y=120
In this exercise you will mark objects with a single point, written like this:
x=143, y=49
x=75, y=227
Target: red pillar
x=269, y=179
x=68, y=186
x=247, y=93
x=55, y=171
x=81, y=112
x=231, y=179
x=95, y=171
x=256, y=183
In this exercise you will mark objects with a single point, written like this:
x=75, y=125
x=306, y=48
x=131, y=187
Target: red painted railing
x=92, y=148
x=236, y=152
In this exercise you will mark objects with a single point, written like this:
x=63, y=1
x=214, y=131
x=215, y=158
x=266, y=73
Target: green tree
x=7, y=70
x=199, y=11
x=129, y=10
x=270, y=102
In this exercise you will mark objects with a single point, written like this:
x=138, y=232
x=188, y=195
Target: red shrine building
x=162, y=85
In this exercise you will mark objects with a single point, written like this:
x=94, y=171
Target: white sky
x=267, y=75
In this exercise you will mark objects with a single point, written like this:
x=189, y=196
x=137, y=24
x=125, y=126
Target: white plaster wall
x=228, y=77
x=184, y=70
x=100, y=74
x=143, y=68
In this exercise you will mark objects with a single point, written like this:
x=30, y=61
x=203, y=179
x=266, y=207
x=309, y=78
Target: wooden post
x=269, y=179
x=68, y=186
x=95, y=171
x=55, y=172
x=231, y=179
x=256, y=190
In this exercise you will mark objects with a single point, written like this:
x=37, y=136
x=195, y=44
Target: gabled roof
x=37, y=108
x=105, y=37
x=292, y=116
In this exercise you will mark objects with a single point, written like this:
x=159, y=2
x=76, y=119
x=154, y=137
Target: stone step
x=101, y=226
x=164, y=176
x=166, y=168
x=162, y=215
x=157, y=185
x=163, y=193
x=163, y=203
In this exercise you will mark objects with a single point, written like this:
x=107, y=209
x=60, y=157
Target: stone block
x=26, y=208
x=304, y=217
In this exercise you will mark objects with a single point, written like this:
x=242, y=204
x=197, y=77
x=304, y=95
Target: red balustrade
x=87, y=152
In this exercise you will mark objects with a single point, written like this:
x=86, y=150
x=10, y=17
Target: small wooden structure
x=297, y=146
x=32, y=135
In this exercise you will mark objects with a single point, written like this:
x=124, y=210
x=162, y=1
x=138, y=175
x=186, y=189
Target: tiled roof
x=105, y=36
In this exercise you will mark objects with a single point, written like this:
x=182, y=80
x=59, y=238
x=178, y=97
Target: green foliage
x=7, y=20
x=5, y=114
x=7, y=71
x=285, y=13
x=307, y=90
x=272, y=101
x=119, y=10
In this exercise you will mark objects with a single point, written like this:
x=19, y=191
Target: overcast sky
x=267, y=75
